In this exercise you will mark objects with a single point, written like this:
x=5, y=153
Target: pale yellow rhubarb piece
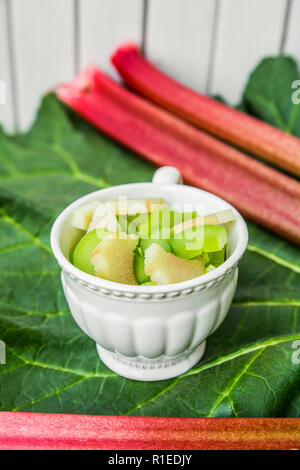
x=166, y=268
x=219, y=218
x=82, y=216
x=134, y=206
x=104, y=216
x=113, y=258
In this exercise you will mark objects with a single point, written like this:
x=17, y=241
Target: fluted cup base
x=149, y=370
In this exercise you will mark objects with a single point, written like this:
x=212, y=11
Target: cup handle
x=167, y=175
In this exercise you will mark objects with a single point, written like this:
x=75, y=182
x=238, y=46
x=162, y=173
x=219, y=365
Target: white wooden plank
x=103, y=25
x=43, y=40
x=292, y=44
x=247, y=31
x=6, y=108
x=178, y=39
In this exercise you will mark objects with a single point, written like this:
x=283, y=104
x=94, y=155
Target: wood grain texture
x=247, y=31
x=292, y=43
x=179, y=39
x=209, y=52
x=42, y=35
x=103, y=25
x=6, y=109
x=58, y=431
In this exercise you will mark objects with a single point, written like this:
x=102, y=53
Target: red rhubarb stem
x=66, y=432
x=259, y=192
x=236, y=127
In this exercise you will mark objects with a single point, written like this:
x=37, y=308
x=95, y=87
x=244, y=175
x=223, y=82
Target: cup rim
x=111, y=286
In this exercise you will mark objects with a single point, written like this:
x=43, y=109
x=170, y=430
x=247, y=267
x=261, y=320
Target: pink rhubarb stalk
x=69, y=432
x=259, y=192
x=236, y=127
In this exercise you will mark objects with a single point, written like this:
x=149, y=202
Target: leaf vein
x=220, y=360
x=273, y=257
x=22, y=229
x=60, y=369
x=234, y=382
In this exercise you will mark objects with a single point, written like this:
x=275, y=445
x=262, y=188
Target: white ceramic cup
x=150, y=332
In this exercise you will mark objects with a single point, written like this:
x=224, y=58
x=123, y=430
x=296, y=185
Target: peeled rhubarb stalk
x=262, y=194
x=234, y=126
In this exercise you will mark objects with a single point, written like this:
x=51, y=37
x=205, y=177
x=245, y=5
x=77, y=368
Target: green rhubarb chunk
x=198, y=239
x=215, y=238
x=209, y=268
x=146, y=242
x=81, y=256
x=132, y=224
x=165, y=217
x=140, y=251
x=189, y=243
x=123, y=222
x=143, y=225
x=157, y=221
x=181, y=217
x=162, y=220
x=139, y=269
x=204, y=257
x=161, y=217
x=217, y=257
x=139, y=262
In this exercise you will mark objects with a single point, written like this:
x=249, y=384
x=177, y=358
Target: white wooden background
x=210, y=45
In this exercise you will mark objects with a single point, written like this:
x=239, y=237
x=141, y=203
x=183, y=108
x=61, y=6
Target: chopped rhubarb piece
x=83, y=215
x=81, y=256
x=114, y=256
x=166, y=268
x=261, y=193
x=134, y=206
x=236, y=127
x=219, y=218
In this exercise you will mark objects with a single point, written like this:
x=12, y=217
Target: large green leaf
x=52, y=366
x=268, y=94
